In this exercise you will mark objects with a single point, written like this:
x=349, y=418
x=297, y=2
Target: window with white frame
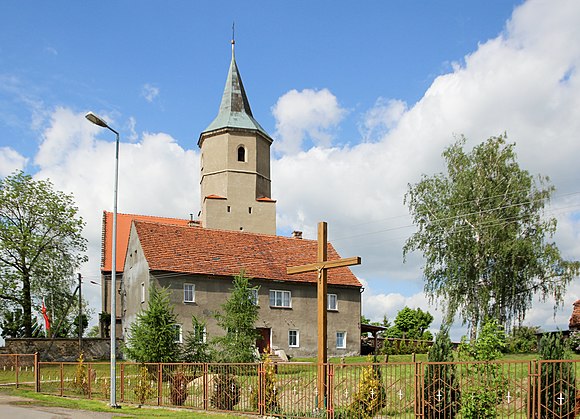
x=188, y=293
x=332, y=302
x=280, y=298
x=200, y=333
x=142, y=292
x=293, y=338
x=178, y=333
x=340, y=340
x=254, y=296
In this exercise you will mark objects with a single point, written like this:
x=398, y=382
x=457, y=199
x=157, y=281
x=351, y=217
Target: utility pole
x=80, y=316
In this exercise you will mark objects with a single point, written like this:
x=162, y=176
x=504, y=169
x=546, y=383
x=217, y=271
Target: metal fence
x=526, y=389
x=18, y=370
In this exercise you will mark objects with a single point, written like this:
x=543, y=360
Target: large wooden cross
x=321, y=266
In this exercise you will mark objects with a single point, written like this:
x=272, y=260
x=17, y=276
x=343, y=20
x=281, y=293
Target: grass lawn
x=126, y=411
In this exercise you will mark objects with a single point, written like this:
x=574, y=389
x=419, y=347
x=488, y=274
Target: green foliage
x=40, y=244
x=195, y=347
x=412, y=323
x=371, y=395
x=152, y=336
x=269, y=385
x=484, y=237
x=226, y=392
x=573, y=341
x=481, y=397
x=557, y=379
x=178, y=388
x=441, y=391
x=522, y=339
x=238, y=321
x=144, y=388
x=94, y=332
x=81, y=378
x=105, y=324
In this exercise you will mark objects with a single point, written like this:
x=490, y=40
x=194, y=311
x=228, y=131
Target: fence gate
x=554, y=390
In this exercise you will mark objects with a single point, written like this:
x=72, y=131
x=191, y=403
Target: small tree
x=371, y=395
x=441, y=391
x=522, y=339
x=557, y=379
x=195, y=347
x=238, y=321
x=484, y=392
x=152, y=337
x=40, y=243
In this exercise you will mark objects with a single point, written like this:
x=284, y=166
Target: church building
x=236, y=231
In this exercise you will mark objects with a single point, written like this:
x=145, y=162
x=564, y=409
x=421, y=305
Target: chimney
x=296, y=234
x=191, y=222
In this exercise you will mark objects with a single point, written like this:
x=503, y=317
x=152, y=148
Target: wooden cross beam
x=321, y=266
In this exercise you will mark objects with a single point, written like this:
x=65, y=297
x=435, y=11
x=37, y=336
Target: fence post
x=330, y=392
x=261, y=389
x=419, y=391
x=61, y=379
x=36, y=374
x=122, y=382
x=16, y=368
x=205, y=389
x=159, y=384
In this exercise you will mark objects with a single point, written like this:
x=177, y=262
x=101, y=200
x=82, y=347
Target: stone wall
x=63, y=350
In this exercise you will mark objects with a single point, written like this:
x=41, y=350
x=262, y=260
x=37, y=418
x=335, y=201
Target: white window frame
x=340, y=345
x=278, y=295
x=254, y=296
x=329, y=299
x=142, y=292
x=296, y=338
x=180, y=329
x=185, y=292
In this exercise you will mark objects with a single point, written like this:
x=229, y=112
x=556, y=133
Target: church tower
x=235, y=165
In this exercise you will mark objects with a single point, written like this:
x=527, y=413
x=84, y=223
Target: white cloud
x=523, y=82
x=378, y=120
x=306, y=115
x=10, y=161
x=156, y=177
x=149, y=92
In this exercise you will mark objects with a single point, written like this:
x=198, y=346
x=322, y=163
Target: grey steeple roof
x=235, y=111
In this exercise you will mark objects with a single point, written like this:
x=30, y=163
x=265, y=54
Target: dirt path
x=23, y=408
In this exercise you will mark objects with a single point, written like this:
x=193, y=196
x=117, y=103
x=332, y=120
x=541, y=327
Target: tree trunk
x=26, y=304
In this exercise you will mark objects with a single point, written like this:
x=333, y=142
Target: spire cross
x=321, y=266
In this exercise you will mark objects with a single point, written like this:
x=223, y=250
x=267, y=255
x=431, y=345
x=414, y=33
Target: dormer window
x=241, y=153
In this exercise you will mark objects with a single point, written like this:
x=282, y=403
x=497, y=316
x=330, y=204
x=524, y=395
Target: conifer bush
x=441, y=389
x=144, y=387
x=269, y=387
x=81, y=378
x=557, y=381
x=371, y=396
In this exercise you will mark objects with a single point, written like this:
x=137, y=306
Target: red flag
x=46, y=319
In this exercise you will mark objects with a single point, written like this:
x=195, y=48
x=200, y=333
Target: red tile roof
x=177, y=248
x=123, y=230
x=574, y=323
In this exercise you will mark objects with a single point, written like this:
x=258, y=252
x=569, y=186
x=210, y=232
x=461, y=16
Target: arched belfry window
x=241, y=153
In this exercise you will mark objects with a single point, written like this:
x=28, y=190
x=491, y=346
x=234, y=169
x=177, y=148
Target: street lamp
x=98, y=121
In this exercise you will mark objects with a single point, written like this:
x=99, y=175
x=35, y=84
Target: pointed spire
x=234, y=111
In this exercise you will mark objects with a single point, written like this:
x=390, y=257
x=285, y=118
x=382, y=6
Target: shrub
x=522, y=339
x=178, y=389
x=269, y=385
x=144, y=387
x=441, y=391
x=226, y=392
x=81, y=378
x=371, y=395
x=557, y=390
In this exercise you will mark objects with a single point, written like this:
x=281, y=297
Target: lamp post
x=98, y=121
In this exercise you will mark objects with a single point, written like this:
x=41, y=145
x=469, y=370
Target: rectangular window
x=332, y=302
x=178, y=333
x=280, y=299
x=254, y=296
x=341, y=340
x=188, y=293
x=142, y=292
x=293, y=338
x=200, y=333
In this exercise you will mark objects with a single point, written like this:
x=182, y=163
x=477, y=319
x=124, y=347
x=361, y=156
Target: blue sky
x=361, y=98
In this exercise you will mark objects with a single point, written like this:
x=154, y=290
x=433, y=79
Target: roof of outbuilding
x=574, y=323
x=175, y=248
x=235, y=111
x=123, y=230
